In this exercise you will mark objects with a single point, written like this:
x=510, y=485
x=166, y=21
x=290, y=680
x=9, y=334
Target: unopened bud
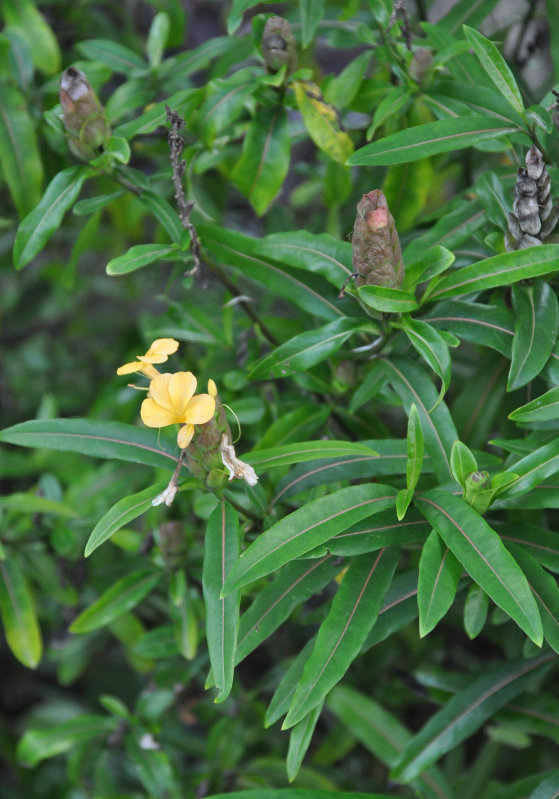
x=477, y=491
x=83, y=115
x=420, y=64
x=278, y=45
x=377, y=257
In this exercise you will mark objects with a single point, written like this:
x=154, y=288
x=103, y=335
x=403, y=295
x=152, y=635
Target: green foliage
x=358, y=538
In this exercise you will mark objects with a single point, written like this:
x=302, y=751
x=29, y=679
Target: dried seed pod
x=533, y=215
x=83, y=115
x=377, y=257
x=278, y=45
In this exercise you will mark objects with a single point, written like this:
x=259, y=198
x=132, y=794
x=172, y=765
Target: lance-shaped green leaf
x=390, y=457
x=31, y=503
x=164, y=213
x=432, y=347
x=287, y=454
x=432, y=138
x=307, y=349
x=320, y=254
x=413, y=385
x=383, y=735
x=496, y=67
x=450, y=230
x=279, y=704
x=234, y=249
x=117, y=56
x=476, y=606
x=183, y=102
x=295, y=426
x=39, y=225
x=536, y=322
x=261, y=170
x=534, y=468
x=431, y=263
x=18, y=613
x=439, y=573
x=465, y=713
x=158, y=37
x=221, y=551
x=545, y=589
x=481, y=552
x=120, y=597
x=224, y=102
x=299, y=740
x=37, y=745
x=311, y=12
x=294, y=584
x=486, y=325
x=306, y=528
x=541, y=409
x=462, y=462
x=341, y=635
x=387, y=299
x=383, y=530
x=99, y=439
x=491, y=193
x=120, y=514
x=322, y=122
x=30, y=24
x=19, y=154
x=548, y=788
x=139, y=256
x=399, y=608
x=238, y=8
x=414, y=464
x=500, y=270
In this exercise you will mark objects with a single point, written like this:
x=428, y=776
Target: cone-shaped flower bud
x=420, y=64
x=211, y=449
x=278, y=45
x=377, y=257
x=83, y=115
x=533, y=215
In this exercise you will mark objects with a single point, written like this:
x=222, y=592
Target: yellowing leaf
x=322, y=122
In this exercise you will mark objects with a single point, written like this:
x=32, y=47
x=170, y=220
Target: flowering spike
x=83, y=115
x=533, y=216
x=278, y=45
x=377, y=257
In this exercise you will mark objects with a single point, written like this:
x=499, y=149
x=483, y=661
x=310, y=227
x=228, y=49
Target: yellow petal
x=201, y=409
x=153, y=415
x=154, y=358
x=128, y=368
x=159, y=391
x=212, y=388
x=182, y=386
x=185, y=435
x=163, y=346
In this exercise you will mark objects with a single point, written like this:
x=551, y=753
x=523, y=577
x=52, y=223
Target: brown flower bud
x=377, y=257
x=83, y=115
x=533, y=215
x=420, y=64
x=278, y=45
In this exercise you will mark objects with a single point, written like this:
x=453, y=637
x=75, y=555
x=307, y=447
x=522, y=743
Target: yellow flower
x=159, y=351
x=171, y=400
